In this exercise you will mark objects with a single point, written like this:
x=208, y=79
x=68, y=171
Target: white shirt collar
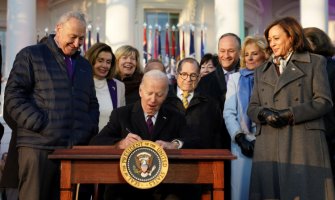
x=180, y=94
x=153, y=118
x=227, y=72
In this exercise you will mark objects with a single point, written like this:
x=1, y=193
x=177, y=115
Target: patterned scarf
x=245, y=85
x=281, y=62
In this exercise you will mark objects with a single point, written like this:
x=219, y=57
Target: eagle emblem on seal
x=143, y=162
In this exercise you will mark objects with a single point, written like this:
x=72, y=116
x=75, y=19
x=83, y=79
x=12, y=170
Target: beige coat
x=292, y=162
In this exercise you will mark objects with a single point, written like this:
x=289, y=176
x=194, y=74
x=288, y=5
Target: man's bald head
x=154, y=64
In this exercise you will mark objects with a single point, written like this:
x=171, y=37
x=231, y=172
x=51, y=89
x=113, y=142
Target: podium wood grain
x=100, y=164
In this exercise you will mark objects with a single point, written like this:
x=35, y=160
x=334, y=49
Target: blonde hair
x=126, y=50
x=259, y=41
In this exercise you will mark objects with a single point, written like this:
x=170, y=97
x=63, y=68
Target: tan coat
x=292, y=162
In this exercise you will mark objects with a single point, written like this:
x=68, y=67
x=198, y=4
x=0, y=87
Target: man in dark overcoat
x=50, y=94
x=202, y=112
x=215, y=83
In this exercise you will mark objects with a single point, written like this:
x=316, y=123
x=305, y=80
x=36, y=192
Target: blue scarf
x=245, y=85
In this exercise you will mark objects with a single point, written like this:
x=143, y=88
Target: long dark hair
x=320, y=42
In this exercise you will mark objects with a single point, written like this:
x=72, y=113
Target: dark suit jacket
x=214, y=85
x=329, y=118
x=10, y=176
x=203, y=115
x=169, y=125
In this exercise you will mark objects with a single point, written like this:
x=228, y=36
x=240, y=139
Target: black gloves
x=271, y=117
x=276, y=118
x=247, y=147
x=286, y=116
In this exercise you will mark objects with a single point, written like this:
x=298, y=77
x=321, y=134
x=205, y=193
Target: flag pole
x=89, y=27
x=98, y=36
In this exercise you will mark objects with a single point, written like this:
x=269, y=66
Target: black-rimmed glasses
x=185, y=75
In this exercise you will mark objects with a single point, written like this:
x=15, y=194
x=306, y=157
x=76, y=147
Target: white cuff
x=180, y=143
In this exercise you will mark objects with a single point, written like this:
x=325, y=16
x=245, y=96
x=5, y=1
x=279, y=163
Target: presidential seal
x=144, y=164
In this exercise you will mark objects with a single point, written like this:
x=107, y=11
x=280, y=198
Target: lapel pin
x=164, y=117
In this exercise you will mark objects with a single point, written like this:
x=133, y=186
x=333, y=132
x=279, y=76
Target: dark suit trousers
x=12, y=194
x=39, y=177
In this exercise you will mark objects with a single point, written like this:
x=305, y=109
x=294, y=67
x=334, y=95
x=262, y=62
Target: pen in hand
x=132, y=136
x=128, y=140
x=127, y=129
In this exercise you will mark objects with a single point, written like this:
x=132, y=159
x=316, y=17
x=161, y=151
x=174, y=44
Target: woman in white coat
x=110, y=92
x=239, y=126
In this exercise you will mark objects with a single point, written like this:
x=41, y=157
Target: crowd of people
x=269, y=99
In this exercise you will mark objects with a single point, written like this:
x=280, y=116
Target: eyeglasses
x=185, y=76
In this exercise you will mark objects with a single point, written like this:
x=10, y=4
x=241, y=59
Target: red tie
x=150, y=125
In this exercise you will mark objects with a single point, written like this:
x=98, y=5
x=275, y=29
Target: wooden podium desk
x=100, y=164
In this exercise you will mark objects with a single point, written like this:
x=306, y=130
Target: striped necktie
x=185, y=95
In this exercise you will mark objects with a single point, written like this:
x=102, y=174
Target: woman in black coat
x=10, y=178
x=322, y=45
x=128, y=70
